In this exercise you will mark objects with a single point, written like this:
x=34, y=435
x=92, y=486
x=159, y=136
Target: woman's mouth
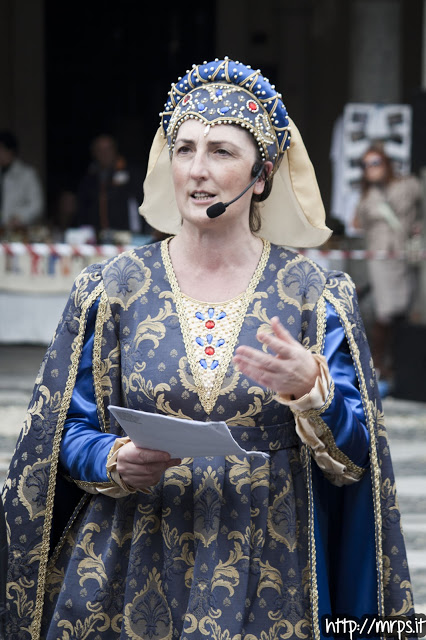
x=202, y=196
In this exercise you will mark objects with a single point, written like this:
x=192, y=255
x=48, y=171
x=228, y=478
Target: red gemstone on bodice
x=209, y=351
x=209, y=324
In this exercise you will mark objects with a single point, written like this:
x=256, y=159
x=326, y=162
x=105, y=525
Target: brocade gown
x=224, y=548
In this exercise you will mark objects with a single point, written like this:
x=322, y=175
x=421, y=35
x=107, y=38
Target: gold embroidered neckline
x=220, y=303
x=208, y=388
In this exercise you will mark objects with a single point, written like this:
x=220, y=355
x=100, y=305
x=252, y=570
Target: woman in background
x=388, y=212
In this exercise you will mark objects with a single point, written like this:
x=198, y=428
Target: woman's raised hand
x=290, y=370
x=143, y=468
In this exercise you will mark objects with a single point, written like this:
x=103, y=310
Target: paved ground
x=406, y=424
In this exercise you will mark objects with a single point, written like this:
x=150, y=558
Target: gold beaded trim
x=314, y=597
x=321, y=325
x=97, y=361
x=209, y=389
x=260, y=126
x=58, y=548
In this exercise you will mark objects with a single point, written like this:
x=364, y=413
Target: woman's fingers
x=135, y=454
x=280, y=341
x=280, y=332
x=142, y=468
x=249, y=357
x=287, y=368
x=150, y=456
x=250, y=368
x=141, y=478
x=281, y=348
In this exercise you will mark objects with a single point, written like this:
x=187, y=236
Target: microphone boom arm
x=220, y=207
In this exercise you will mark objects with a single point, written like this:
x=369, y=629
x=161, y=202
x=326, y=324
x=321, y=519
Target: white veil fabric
x=293, y=215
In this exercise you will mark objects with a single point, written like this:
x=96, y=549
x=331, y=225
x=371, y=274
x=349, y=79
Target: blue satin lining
x=345, y=415
x=84, y=448
x=345, y=548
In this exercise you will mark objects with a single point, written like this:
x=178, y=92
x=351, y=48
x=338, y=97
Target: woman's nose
x=199, y=166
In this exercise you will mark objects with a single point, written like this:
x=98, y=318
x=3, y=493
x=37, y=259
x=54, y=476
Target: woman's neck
x=213, y=267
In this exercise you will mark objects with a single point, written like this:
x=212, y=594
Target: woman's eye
x=222, y=152
x=182, y=149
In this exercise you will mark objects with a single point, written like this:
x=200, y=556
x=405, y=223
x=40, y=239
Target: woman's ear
x=260, y=184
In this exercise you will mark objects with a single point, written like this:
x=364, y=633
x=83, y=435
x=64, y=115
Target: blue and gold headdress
x=228, y=92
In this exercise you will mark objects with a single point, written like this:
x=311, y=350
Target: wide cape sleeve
x=37, y=514
x=356, y=534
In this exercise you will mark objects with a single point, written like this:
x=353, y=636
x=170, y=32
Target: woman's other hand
x=292, y=371
x=143, y=468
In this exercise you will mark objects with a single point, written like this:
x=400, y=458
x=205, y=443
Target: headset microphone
x=218, y=208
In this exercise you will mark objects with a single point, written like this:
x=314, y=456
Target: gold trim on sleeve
x=92, y=487
x=109, y=456
x=97, y=360
x=326, y=435
x=310, y=421
x=321, y=324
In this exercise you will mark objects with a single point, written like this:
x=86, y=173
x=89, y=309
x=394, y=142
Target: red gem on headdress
x=186, y=99
x=210, y=324
x=252, y=106
x=209, y=351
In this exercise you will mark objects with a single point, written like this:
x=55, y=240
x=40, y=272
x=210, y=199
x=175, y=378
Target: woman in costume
x=220, y=322
x=388, y=212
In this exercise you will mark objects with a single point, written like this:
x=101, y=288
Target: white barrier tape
x=109, y=250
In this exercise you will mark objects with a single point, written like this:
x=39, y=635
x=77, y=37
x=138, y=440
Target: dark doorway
x=109, y=67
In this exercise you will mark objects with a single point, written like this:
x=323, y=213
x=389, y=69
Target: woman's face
x=213, y=164
x=374, y=167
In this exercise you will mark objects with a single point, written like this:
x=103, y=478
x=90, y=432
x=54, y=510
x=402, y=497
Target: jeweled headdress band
x=228, y=92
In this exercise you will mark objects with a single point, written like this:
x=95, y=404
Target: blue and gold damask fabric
x=224, y=548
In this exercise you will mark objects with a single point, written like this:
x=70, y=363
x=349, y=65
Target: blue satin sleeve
x=345, y=416
x=84, y=447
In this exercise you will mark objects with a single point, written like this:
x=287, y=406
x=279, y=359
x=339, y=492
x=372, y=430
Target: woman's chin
x=198, y=215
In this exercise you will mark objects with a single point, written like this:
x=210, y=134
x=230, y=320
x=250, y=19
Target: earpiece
x=257, y=169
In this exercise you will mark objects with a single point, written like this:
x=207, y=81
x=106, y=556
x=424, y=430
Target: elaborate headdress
x=228, y=92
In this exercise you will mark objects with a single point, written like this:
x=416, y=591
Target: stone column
x=424, y=47
x=22, y=104
x=421, y=304
x=375, y=51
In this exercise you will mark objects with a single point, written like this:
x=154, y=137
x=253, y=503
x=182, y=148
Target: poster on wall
x=360, y=126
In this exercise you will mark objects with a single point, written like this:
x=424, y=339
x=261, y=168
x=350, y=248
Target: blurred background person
x=389, y=214
x=21, y=192
x=110, y=192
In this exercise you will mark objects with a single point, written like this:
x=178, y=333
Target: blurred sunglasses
x=372, y=163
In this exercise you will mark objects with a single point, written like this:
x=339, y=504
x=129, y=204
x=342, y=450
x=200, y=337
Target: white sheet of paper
x=180, y=438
